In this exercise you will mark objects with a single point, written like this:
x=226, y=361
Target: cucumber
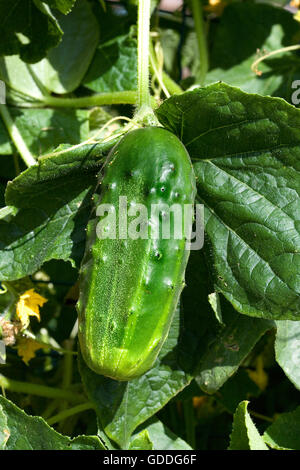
x=129, y=288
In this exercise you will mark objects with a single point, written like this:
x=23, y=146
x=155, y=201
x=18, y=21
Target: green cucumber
x=129, y=288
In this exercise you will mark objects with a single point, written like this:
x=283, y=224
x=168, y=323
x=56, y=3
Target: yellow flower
x=295, y=3
x=26, y=348
x=29, y=305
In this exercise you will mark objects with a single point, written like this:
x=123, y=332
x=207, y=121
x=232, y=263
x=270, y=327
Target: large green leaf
x=54, y=202
x=44, y=129
x=287, y=349
x=244, y=29
x=66, y=64
x=212, y=351
x=246, y=151
x=23, y=432
x=28, y=28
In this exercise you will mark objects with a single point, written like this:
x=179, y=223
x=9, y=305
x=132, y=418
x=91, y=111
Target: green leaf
x=162, y=438
x=230, y=347
x=66, y=64
x=21, y=78
x=287, y=349
x=283, y=434
x=199, y=326
x=62, y=70
x=114, y=66
x=246, y=153
x=5, y=143
x=103, y=437
x=141, y=442
x=54, y=202
x=244, y=29
x=44, y=129
x=114, y=20
x=214, y=300
x=28, y=29
x=122, y=406
x=38, y=435
x=4, y=431
x=244, y=434
x=64, y=6
x=238, y=388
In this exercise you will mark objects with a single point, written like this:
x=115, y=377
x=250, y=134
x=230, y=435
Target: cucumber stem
x=16, y=136
x=196, y=6
x=144, y=7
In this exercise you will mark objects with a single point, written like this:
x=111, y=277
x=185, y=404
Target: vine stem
x=70, y=412
x=260, y=416
x=39, y=390
x=270, y=54
x=197, y=11
x=100, y=99
x=16, y=136
x=144, y=8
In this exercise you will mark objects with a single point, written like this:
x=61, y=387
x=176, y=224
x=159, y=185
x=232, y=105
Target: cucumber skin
x=129, y=289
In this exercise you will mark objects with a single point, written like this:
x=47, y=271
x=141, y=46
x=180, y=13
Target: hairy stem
x=144, y=8
x=99, y=99
x=16, y=136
